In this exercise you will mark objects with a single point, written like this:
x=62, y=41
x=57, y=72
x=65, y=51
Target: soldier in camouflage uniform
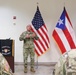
x=66, y=64
x=28, y=47
x=4, y=66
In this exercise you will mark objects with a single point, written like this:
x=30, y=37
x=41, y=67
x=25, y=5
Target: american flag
x=64, y=34
x=38, y=26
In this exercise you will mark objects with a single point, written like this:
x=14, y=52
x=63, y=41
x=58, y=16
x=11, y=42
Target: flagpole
x=37, y=3
x=37, y=63
x=64, y=3
x=37, y=55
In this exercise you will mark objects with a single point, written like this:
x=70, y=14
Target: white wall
x=24, y=10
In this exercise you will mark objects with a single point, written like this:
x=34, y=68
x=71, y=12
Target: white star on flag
x=60, y=21
x=64, y=34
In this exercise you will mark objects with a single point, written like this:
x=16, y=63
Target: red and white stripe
x=65, y=38
x=42, y=44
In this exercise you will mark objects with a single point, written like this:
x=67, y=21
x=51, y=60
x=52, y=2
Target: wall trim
x=38, y=63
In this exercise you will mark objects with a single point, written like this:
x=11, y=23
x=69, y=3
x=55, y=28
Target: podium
x=7, y=50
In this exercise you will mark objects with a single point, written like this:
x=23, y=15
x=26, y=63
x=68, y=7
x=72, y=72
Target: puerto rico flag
x=64, y=34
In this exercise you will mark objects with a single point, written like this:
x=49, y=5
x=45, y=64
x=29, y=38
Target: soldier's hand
x=33, y=35
x=27, y=36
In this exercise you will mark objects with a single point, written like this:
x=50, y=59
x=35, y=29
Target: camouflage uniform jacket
x=28, y=42
x=4, y=66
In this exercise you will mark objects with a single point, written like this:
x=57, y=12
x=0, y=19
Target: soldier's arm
x=22, y=36
x=35, y=36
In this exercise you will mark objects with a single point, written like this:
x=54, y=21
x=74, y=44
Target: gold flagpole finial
x=64, y=4
x=37, y=3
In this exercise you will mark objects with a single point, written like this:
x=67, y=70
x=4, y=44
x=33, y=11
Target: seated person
x=4, y=66
x=66, y=63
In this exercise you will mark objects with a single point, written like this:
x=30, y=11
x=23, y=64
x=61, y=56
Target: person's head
x=28, y=27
